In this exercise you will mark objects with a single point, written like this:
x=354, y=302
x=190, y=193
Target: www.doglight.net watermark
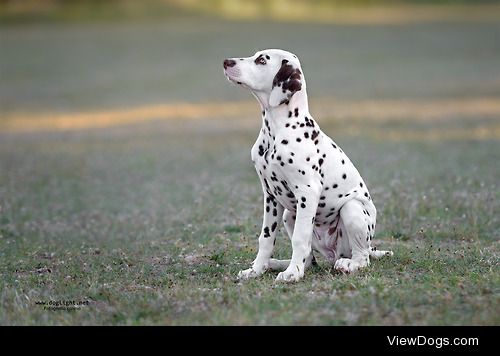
x=437, y=342
x=62, y=305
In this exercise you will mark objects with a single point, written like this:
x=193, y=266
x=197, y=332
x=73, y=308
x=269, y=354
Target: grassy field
x=151, y=222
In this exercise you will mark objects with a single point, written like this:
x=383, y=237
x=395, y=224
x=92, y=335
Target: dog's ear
x=287, y=82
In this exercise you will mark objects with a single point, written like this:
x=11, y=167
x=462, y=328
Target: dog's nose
x=229, y=63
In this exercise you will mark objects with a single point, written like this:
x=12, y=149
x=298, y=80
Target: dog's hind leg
x=356, y=228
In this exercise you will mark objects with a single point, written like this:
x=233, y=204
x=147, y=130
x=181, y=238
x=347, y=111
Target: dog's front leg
x=273, y=212
x=307, y=204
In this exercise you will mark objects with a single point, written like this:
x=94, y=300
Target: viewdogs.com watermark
x=437, y=342
x=68, y=305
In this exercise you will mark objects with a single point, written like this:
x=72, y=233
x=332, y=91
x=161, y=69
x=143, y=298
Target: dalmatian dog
x=308, y=182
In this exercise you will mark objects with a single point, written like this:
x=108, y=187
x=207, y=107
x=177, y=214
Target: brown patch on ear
x=286, y=82
x=294, y=84
x=288, y=77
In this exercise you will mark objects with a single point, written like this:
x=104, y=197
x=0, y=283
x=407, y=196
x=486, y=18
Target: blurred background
x=85, y=55
x=125, y=172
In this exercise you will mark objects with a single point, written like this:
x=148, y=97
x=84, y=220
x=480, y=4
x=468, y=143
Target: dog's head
x=273, y=74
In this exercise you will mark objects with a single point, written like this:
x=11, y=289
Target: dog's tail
x=378, y=254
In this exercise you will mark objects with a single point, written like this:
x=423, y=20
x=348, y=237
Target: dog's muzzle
x=232, y=72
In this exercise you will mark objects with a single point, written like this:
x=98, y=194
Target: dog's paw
x=247, y=274
x=250, y=273
x=291, y=274
x=258, y=268
x=346, y=265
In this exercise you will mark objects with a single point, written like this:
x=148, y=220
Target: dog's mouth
x=233, y=74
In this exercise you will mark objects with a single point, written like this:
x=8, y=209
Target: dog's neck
x=276, y=116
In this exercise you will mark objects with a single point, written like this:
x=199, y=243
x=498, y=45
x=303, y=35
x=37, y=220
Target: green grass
x=152, y=229
x=151, y=223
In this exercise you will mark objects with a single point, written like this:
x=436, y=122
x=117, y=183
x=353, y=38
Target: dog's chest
x=306, y=156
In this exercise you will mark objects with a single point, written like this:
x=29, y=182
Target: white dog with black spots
x=307, y=180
